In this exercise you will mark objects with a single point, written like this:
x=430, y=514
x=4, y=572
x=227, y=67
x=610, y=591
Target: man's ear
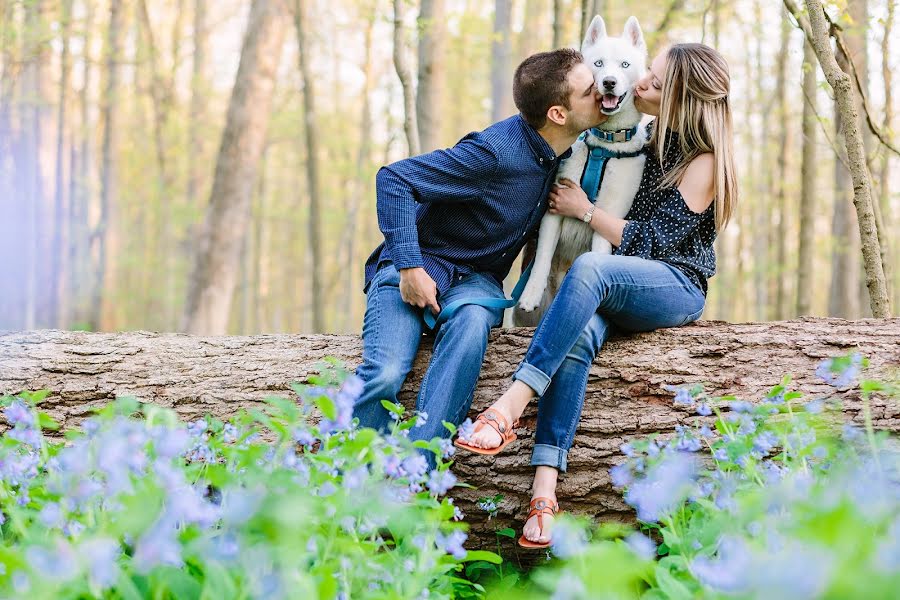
x=557, y=114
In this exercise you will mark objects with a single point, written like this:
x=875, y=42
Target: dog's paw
x=531, y=299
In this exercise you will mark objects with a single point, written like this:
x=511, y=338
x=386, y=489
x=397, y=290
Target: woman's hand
x=568, y=199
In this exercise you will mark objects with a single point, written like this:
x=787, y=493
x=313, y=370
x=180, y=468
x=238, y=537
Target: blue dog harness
x=591, y=178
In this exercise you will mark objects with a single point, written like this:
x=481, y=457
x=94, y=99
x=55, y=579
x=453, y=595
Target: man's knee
x=474, y=321
x=382, y=379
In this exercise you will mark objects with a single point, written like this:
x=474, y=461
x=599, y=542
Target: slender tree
x=404, y=72
x=784, y=153
x=214, y=272
x=310, y=122
x=816, y=29
x=807, y=184
x=884, y=171
x=501, y=93
x=430, y=91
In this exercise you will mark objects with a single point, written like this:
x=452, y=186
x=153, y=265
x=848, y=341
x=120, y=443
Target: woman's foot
x=536, y=530
x=510, y=405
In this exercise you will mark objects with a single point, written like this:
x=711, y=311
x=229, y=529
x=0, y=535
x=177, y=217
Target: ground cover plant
x=773, y=499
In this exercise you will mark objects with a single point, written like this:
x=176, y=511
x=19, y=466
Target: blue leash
x=590, y=183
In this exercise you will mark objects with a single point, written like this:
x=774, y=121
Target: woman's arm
x=696, y=191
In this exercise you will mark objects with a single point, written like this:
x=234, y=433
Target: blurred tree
x=215, y=267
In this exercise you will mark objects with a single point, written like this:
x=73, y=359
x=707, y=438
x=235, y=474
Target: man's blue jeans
x=600, y=292
x=392, y=331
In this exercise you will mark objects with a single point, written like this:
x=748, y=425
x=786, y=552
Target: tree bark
x=198, y=100
x=430, y=92
x=58, y=292
x=807, y=184
x=885, y=167
x=761, y=184
x=816, y=30
x=625, y=397
x=559, y=25
x=102, y=233
x=501, y=87
x=310, y=121
x=404, y=72
x=784, y=154
x=212, y=282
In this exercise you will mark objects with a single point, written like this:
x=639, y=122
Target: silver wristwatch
x=589, y=215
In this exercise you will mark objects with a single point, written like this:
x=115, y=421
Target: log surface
x=625, y=397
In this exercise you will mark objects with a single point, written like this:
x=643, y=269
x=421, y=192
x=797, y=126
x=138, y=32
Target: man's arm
x=456, y=174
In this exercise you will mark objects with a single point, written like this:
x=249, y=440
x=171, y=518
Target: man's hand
x=419, y=289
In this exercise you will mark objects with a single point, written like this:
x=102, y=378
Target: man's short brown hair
x=541, y=81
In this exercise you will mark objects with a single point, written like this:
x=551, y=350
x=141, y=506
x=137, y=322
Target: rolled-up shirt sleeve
x=456, y=174
x=670, y=223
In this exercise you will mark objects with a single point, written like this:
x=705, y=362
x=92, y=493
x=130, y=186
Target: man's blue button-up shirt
x=469, y=208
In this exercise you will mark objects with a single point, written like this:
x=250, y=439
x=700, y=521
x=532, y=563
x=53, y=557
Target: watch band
x=589, y=215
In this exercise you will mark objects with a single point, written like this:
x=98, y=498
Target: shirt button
x=541, y=160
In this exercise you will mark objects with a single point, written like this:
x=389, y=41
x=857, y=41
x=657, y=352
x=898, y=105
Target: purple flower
x=355, y=477
x=18, y=413
x=683, y=397
x=815, y=406
x=764, y=442
x=569, y=539
x=741, y=406
x=621, y=475
x=489, y=505
x=730, y=571
x=705, y=432
x=59, y=563
x=440, y=482
x=688, y=444
x=303, y=437
x=101, y=555
x=415, y=467
x=452, y=544
x=51, y=515
x=641, y=545
x=466, y=429
x=665, y=485
x=703, y=409
x=627, y=450
x=158, y=546
x=197, y=428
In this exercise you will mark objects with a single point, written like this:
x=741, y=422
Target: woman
x=656, y=278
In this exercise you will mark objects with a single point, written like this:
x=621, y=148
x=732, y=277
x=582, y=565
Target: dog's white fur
x=562, y=240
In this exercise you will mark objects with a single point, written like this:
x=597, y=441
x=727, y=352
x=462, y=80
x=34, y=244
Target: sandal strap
x=496, y=421
x=539, y=506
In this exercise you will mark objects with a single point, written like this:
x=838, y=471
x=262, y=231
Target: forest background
x=126, y=126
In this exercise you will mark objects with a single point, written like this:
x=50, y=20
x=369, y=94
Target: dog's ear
x=634, y=34
x=596, y=31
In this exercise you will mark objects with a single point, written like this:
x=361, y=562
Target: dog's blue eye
x=598, y=63
x=625, y=64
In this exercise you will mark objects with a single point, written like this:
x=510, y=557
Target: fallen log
x=220, y=375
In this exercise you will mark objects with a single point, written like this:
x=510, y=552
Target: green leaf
x=508, y=532
x=484, y=555
x=397, y=409
x=45, y=421
x=326, y=405
x=673, y=588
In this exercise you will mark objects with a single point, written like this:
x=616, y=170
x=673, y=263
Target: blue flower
x=568, y=539
x=703, y=409
x=815, y=406
x=466, y=429
x=665, y=485
x=101, y=555
x=641, y=545
x=452, y=544
x=621, y=475
x=440, y=482
x=18, y=413
x=197, y=428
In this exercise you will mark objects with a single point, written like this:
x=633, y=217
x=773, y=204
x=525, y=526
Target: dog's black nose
x=609, y=82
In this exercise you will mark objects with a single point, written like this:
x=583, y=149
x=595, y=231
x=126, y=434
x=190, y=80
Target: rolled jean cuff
x=532, y=377
x=545, y=455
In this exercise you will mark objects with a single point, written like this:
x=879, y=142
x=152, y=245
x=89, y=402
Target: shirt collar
x=539, y=146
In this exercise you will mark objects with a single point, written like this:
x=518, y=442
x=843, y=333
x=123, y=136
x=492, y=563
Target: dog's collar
x=620, y=135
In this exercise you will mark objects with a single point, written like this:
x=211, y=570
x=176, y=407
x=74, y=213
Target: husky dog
x=617, y=63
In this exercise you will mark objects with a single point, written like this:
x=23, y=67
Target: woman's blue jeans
x=601, y=292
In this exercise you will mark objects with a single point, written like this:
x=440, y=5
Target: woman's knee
x=593, y=267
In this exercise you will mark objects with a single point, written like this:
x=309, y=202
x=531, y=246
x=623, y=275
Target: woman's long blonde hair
x=695, y=104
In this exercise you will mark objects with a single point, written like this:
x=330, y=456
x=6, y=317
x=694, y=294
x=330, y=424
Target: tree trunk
x=501, y=85
x=12, y=275
x=625, y=397
x=57, y=291
x=102, y=234
x=214, y=272
x=199, y=98
x=310, y=121
x=888, y=253
x=430, y=92
x=404, y=72
x=761, y=183
x=807, y=184
x=816, y=30
x=784, y=154
x=559, y=24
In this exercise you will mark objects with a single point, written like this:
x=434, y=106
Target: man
x=453, y=222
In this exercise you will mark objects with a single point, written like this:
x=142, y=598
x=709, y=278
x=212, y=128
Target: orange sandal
x=499, y=424
x=539, y=506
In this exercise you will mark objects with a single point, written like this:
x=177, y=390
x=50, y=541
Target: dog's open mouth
x=610, y=103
